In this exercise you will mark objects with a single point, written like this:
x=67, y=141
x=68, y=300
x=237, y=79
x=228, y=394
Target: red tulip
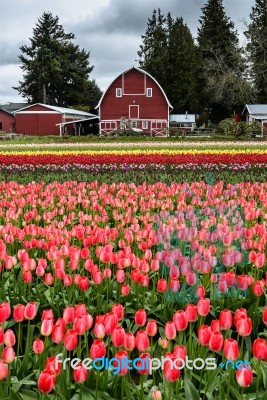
x=98, y=349
x=264, y=315
x=30, y=310
x=180, y=352
x=3, y=370
x=58, y=331
x=151, y=328
x=180, y=320
x=80, y=374
x=143, y=363
x=9, y=338
x=118, y=309
x=226, y=319
x=129, y=341
x=204, y=334
x=170, y=372
x=118, y=336
x=170, y=330
x=203, y=306
x=38, y=346
x=52, y=365
x=244, y=326
x=142, y=340
x=99, y=331
x=18, y=312
x=140, y=317
x=8, y=355
x=121, y=356
x=191, y=312
x=259, y=349
x=68, y=314
x=216, y=341
x=230, y=349
x=46, y=381
x=71, y=339
x=200, y=291
x=244, y=376
x=215, y=325
x=258, y=288
x=240, y=312
x=125, y=289
x=110, y=322
x=46, y=327
x=162, y=285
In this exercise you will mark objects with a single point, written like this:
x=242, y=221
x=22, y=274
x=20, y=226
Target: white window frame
x=118, y=92
x=149, y=92
x=144, y=124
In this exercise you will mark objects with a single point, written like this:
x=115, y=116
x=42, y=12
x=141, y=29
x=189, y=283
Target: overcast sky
x=110, y=29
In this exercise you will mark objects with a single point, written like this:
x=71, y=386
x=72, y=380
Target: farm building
x=134, y=100
x=256, y=113
x=185, y=121
x=7, y=118
x=43, y=119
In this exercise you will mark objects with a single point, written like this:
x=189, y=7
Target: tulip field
x=154, y=254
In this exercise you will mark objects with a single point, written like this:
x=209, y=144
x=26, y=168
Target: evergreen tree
x=222, y=69
x=56, y=71
x=168, y=53
x=153, y=50
x=181, y=65
x=257, y=49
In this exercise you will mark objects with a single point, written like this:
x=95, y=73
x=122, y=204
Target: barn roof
x=62, y=110
x=12, y=107
x=256, y=109
x=140, y=70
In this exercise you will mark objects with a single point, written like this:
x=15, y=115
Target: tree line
x=211, y=73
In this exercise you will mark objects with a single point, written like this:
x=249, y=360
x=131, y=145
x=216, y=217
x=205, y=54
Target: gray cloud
x=110, y=29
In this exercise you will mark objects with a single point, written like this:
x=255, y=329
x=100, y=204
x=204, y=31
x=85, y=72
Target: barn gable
x=136, y=97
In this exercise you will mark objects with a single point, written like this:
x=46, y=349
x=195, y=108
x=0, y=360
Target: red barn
x=43, y=119
x=7, y=121
x=134, y=100
x=7, y=118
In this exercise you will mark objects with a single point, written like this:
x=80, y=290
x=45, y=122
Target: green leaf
x=191, y=392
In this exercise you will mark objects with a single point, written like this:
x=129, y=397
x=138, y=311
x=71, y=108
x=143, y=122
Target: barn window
x=118, y=92
x=144, y=124
x=149, y=92
x=134, y=124
x=1, y=126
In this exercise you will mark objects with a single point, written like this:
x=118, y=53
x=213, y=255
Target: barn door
x=133, y=112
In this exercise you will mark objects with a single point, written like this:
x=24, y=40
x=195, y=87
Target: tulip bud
x=30, y=310
x=8, y=355
x=38, y=346
x=71, y=340
x=140, y=317
x=98, y=349
x=129, y=341
x=9, y=338
x=18, y=312
x=151, y=328
x=80, y=374
x=156, y=395
x=170, y=330
x=46, y=381
x=230, y=349
x=244, y=376
x=142, y=340
x=3, y=370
